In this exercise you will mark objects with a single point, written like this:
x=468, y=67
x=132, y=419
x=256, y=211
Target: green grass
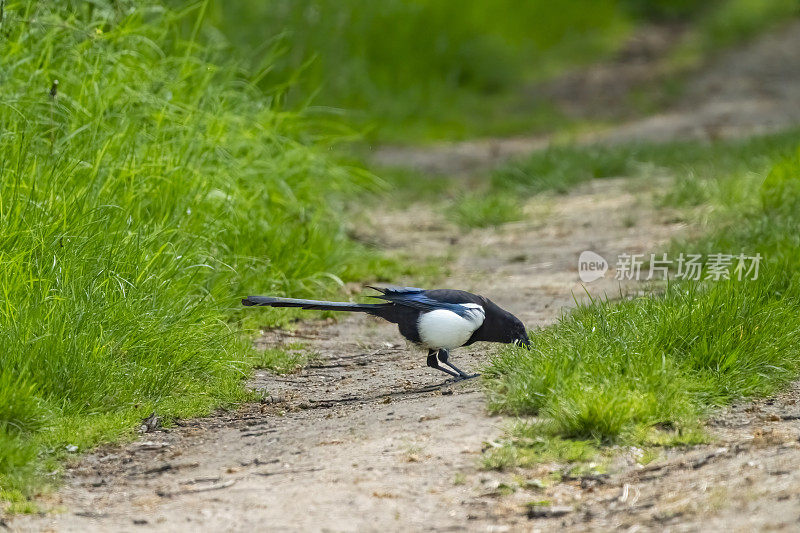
x=480, y=210
x=285, y=360
x=152, y=188
x=734, y=21
x=560, y=168
x=527, y=447
x=647, y=370
x=702, y=170
x=408, y=70
x=463, y=200
x=412, y=70
x=717, y=23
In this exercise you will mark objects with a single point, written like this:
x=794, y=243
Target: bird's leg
x=444, y=355
x=434, y=363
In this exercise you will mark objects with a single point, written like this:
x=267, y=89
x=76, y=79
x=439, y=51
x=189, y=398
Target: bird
x=438, y=320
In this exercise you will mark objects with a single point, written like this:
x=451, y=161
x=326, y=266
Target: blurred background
x=415, y=70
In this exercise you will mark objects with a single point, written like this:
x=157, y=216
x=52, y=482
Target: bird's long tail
x=271, y=301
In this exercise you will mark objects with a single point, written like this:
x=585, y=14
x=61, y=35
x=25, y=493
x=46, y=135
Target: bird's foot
x=444, y=358
x=465, y=376
x=461, y=373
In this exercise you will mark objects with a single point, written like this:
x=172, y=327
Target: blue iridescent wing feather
x=417, y=298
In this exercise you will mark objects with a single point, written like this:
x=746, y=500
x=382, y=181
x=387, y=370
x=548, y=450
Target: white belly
x=445, y=329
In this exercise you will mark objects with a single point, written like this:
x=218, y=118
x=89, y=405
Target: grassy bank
x=560, y=168
x=418, y=69
x=646, y=371
x=141, y=194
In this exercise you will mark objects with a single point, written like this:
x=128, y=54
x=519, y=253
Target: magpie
x=439, y=320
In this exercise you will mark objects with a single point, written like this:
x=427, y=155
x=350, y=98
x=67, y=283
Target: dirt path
x=369, y=439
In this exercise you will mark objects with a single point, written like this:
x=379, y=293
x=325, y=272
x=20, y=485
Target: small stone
x=151, y=423
x=534, y=484
x=548, y=512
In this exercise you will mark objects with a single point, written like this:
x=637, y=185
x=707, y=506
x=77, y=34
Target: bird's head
x=512, y=330
x=501, y=326
x=518, y=334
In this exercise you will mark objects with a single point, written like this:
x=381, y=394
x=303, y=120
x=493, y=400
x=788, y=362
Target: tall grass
x=562, y=167
x=411, y=70
x=140, y=195
x=415, y=69
x=647, y=370
x=736, y=20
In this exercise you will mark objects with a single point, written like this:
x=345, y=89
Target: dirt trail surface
x=369, y=439
x=748, y=90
